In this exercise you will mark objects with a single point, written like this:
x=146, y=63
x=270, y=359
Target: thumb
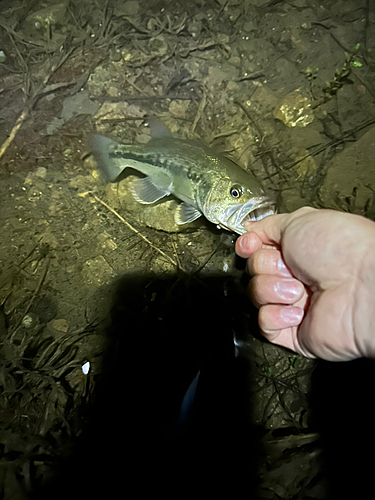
x=270, y=229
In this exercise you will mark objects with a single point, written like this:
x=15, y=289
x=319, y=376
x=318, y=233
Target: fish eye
x=236, y=191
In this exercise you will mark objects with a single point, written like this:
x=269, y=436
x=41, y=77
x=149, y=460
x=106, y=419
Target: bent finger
x=274, y=317
x=266, y=289
x=267, y=261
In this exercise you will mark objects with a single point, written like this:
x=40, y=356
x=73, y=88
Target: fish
x=207, y=183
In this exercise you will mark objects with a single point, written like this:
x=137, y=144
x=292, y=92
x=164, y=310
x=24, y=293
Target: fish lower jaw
x=258, y=214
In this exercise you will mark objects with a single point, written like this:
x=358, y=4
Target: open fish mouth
x=252, y=211
x=259, y=213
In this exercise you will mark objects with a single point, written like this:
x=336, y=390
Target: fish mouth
x=259, y=213
x=252, y=211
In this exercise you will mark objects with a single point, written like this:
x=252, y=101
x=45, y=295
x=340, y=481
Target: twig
x=36, y=291
x=200, y=111
x=132, y=228
x=14, y=131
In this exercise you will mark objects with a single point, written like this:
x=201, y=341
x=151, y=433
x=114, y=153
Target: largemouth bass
x=207, y=183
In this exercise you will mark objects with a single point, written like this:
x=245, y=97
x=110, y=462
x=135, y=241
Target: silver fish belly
x=207, y=183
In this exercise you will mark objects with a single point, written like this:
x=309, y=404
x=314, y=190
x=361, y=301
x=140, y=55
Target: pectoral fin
x=186, y=213
x=145, y=191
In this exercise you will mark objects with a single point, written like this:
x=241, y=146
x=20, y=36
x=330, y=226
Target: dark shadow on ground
x=342, y=401
x=163, y=331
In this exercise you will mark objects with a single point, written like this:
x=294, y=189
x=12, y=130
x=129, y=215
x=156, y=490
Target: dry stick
x=136, y=231
x=13, y=132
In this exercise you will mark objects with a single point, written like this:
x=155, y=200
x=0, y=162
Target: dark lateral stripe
x=150, y=159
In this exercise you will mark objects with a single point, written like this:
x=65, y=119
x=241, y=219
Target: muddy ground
x=91, y=280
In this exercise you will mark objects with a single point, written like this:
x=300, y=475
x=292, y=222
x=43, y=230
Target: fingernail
x=288, y=289
x=282, y=267
x=292, y=315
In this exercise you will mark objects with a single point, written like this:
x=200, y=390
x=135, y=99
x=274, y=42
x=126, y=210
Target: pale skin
x=313, y=280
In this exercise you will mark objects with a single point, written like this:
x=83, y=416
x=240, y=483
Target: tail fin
x=102, y=148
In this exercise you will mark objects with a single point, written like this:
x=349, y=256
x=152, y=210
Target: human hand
x=313, y=280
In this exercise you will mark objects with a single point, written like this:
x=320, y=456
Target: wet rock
x=30, y=320
x=59, y=325
x=295, y=110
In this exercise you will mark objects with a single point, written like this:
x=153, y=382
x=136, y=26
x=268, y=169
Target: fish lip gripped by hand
x=252, y=211
x=206, y=182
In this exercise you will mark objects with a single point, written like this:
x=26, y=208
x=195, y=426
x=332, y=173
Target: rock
x=59, y=325
x=179, y=108
x=41, y=172
x=30, y=320
x=295, y=109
